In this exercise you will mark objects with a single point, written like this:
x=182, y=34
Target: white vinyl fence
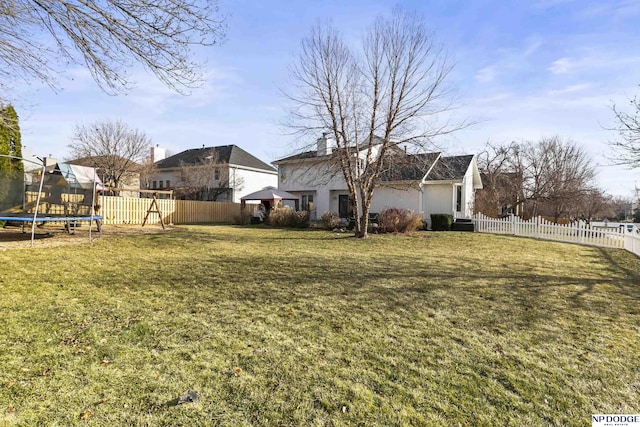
x=582, y=233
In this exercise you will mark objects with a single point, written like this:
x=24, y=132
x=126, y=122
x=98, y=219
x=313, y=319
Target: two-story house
x=428, y=183
x=223, y=173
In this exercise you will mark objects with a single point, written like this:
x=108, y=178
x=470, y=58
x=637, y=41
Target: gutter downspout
x=454, y=199
x=421, y=199
x=233, y=188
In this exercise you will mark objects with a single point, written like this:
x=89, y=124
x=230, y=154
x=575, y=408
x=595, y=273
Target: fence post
x=513, y=225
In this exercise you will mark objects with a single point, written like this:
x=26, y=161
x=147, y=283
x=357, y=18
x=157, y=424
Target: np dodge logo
x=611, y=420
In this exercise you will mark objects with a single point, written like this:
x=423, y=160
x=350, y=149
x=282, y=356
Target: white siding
x=172, y=176
x=387, y=197
x=467, y=194
x=308, y=177
x=250, y=181
x=438, y=199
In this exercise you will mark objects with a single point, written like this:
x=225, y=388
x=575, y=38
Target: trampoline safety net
x=58, y=193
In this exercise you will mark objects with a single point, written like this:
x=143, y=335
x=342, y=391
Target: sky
x=524, y=70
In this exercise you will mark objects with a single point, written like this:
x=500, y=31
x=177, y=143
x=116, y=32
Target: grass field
x=275, y=327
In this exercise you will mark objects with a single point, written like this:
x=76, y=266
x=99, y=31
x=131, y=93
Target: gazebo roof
x=269, y=193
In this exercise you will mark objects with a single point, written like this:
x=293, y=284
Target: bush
x=243, y=218
x=441, y=222
x=299, y=219
x=285, y=217
x=330, y=220
x=394, y=220
x=279, y=217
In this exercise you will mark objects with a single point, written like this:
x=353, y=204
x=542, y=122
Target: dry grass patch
x=278, y=327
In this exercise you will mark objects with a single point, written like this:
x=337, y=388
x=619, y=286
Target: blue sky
x=524, y=70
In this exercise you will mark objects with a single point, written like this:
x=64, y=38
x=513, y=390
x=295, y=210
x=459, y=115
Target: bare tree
x=550, y=175
x=148, y=172
x=208, y=179
x=107, y=37
x=594, y=204
x=502, y=181
x=561, y=174
x=113, y=148
x=389, y=93
x=627, y=146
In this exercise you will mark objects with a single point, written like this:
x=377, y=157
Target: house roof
x=313, y=154
x=300, y=156
x=408, y=168
x=231, y=154
x=412, y=167
x=450, y=168
x=95, y=161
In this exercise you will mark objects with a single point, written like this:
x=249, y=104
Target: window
x=154, y=185
x=216, y=174
x=168, y=184
x=458, y=198
x=307, y=202
x=160, y=184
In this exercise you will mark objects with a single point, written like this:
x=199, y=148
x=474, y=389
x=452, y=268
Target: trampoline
x=32, y=193
x=47, y=218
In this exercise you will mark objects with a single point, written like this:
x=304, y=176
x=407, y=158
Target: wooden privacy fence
x=192, y=211
x=582, y=233
x=130, y=210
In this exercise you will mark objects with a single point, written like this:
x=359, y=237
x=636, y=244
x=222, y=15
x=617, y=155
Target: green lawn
x=275, y=327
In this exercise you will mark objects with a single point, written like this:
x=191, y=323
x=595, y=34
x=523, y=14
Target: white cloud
x=532, y=46
x=562, y=66
x=485, y=75
x=571, y=89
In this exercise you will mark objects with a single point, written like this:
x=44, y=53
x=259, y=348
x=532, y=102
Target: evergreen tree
x=11, y=169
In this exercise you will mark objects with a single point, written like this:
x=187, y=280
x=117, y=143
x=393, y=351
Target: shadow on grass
x=618, y=265
x=398, y=285
x=247, y=270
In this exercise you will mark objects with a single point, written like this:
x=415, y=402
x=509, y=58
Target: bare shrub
x=394, y=220
x=286, y=217
x=279, y=217
x=330, y=220
x=243, y=218
x=299, y=219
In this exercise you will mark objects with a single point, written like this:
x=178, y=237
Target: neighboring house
x=223, y=173
x=427, y=183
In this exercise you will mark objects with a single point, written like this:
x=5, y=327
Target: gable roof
x=412, y=167
x=231, y=154
x=409, y=168
x=301, y=156
x=97, y=161
x=450, y=168
x=313, y=154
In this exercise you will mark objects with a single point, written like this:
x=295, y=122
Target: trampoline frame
x=50, y=217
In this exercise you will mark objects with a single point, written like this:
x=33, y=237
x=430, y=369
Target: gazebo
x=269, y=197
